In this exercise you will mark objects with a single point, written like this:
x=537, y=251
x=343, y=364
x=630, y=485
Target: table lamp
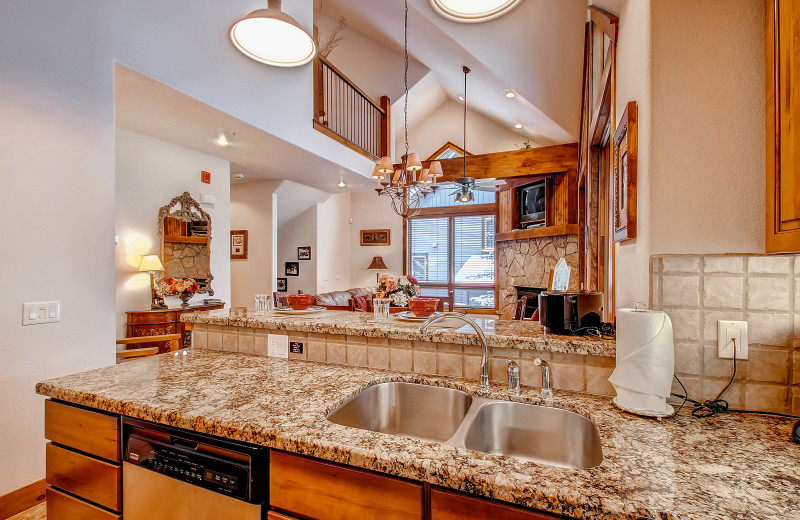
x=377, y=265
x=152, y=263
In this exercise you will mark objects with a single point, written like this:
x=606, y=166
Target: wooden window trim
x=448, y=145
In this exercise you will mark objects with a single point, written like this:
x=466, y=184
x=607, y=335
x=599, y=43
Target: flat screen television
x=533, y=204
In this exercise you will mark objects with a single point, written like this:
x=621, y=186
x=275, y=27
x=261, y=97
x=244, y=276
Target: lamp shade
x=273, y=37
x=424, y=176
x=377, y=264
x=376, y=173
x=413, y=163
x=385, y=166
x=151, y=263
x=435, y=169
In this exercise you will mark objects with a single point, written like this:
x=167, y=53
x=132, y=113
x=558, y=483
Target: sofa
x=342, y=298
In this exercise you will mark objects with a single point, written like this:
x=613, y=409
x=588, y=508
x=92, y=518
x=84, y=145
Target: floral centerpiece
x=399, y=290
x=184, y=289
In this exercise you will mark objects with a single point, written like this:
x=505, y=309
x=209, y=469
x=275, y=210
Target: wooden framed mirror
x=185, y=232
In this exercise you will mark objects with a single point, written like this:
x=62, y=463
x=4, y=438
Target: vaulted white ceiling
x=535, y=50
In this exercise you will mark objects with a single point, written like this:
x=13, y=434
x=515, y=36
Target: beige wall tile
x=448, y=348
x=214, y=340
x=378, y=341
x=723, y=291
x=529, y=374
x=795, y=401
x=472, y=350
x=797, y=294
x=356, y=339
x=797, y=265
x=712, y=388
x=600, y=361
x=400, y=359
x=597, y=380
x=357, y=354
x=533, y=354
x=335, y=338
x=337, y=353
x=261, y=346
x=247, y=343
x=713, y=366
x=316, y=336
x=795, y=367
x=685, y=324
x=769, y=264
x=303, y=356
x=688, y=358
x=723, y=264
x=505, y=353
x=710, y=319
x=498, y=369
x=424, y=345
x=230, y=342
x=692, y=385
x=768, y=365
x=680, y=291
x=769, y=398
x=448, y=364
x=395, y=343
x=199, y=338
x=568, y=377
x=378, y=357
x=472, y=367
x=316, y=350
x=769, y=329
x=769, y=293
x=424, y=362
x=680, y=264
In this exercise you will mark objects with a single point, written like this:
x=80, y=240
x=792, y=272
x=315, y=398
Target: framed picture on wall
x=281, y=284
x=304, y=253
x=238, y=244
x=625, y=152
x=375, y=237
x=292, y=268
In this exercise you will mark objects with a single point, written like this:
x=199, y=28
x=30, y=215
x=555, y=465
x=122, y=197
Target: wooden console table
x=147, y=322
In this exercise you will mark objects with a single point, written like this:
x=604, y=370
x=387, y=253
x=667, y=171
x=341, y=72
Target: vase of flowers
x=184, y=289
x=397, y=290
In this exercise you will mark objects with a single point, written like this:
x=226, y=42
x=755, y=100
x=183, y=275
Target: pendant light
x=472, y=11
x=273, y=37
x=410, y=184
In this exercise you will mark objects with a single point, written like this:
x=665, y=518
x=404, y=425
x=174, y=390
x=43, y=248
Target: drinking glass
x=381, y=308
x=263, y=303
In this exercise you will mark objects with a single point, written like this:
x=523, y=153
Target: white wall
x=57, y=168
x=300, y=231
x=372, y=212
x=446, y=123
x=253, y=207
x=334, y=243
x=150, y=172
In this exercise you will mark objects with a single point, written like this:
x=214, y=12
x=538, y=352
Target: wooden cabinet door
x=449, y=505
x=783, y=126
x=92, y=432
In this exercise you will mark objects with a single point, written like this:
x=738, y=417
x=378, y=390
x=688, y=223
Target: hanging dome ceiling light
x=273, y=37
x=473, y=11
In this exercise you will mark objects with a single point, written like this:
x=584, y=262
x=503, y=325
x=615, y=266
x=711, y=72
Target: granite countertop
x=726, y=467
x=528, y=335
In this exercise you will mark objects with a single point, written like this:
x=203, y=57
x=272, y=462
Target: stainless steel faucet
x=547, y=390
x=484, y=382
x=513, y=377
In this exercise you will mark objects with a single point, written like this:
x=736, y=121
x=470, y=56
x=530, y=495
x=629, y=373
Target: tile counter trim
x=671, y=469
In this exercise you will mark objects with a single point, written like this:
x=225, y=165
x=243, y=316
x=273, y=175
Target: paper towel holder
x=639, y=304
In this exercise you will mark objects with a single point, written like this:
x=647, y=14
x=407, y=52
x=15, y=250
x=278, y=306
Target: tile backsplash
x=697, y=291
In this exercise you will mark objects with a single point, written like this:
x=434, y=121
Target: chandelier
x=411, y=183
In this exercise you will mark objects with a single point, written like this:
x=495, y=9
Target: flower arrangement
x=399, y=290
x=182, y=288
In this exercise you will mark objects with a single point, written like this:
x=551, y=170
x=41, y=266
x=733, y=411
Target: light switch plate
x=727, y=332
x=278, y=345
x=35, y=313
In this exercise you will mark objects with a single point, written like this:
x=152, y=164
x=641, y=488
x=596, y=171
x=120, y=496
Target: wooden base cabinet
x=84, y=476
x=449, y=505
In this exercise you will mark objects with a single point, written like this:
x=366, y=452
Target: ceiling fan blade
x=486, y=188
x=490, y=182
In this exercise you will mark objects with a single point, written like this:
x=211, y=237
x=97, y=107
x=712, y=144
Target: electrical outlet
x=278, y=345
x=41, y=312
x=730, y=335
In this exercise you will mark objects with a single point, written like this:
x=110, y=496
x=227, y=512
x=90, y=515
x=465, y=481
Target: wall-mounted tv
x=533, y=204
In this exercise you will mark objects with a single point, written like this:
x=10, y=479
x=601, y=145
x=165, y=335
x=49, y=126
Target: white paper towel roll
x=645, y=360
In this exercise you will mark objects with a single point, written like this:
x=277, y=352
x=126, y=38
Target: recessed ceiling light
x=471, y=11
x=510, y=94
x=461, y=98
x=341, y=183
x=224, y=138
x=273, y=37
x=518, y=125
x=238, y=176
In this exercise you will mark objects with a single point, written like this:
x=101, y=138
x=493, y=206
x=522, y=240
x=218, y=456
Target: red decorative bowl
x=423, y=307
x=300, y=302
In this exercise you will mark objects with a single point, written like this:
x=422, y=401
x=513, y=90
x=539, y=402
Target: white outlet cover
x=727, y=331
x=278, y=345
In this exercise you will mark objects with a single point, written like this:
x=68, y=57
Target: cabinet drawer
x=321, y=490
x=147, y=317
x=85, y=476
x=61, y=506
x=448, y=505
x=272, y=515
x=92, y=432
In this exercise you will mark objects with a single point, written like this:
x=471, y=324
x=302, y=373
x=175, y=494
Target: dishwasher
x=173, y=474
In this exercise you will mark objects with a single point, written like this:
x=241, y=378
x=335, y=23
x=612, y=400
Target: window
x=448, y=151
x=452, y=257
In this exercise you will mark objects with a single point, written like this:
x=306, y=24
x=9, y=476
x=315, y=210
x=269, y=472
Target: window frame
x=451, y=213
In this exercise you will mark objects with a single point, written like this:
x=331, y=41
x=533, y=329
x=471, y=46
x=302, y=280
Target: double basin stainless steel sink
x=530, y=432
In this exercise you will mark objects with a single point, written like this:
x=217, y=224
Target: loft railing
x=345, y=113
